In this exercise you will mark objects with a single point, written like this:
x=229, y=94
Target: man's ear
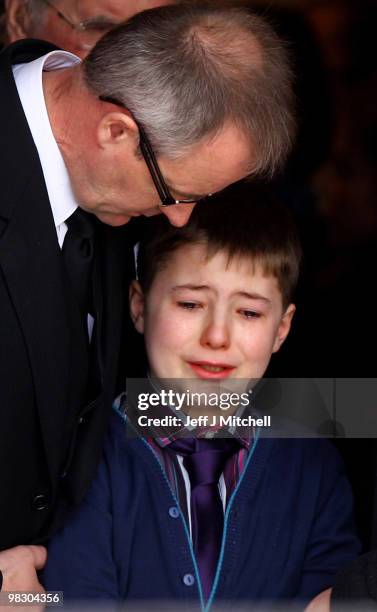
x=137, y=303
x=116, y=128
x=18, y=22
x=284, y=327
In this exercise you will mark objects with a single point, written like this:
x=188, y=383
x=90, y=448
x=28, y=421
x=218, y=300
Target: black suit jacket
x=50, y=439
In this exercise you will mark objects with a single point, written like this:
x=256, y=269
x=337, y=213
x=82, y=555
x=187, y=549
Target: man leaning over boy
x=81, y=144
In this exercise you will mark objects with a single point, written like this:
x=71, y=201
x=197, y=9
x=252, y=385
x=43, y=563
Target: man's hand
x=19, y=567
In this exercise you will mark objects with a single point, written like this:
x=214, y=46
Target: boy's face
x=208, y=318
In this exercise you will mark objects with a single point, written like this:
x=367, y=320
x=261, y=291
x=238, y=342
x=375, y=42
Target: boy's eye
x=188, y=305
x=249, y=314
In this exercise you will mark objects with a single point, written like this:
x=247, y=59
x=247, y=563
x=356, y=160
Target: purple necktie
x=204, y=461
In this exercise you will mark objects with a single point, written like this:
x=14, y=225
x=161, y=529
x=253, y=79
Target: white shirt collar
x=28, y=79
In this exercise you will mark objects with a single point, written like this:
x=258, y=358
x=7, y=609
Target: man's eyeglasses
x=90, y=26
x=150, y=159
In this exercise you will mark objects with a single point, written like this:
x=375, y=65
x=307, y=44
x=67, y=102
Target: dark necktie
x=204, y=461
x=78, y=256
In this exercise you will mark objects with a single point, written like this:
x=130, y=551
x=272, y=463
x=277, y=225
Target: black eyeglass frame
x=150, y=159
x=82, y=26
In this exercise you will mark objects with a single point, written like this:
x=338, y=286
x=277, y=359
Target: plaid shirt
x=174, y=469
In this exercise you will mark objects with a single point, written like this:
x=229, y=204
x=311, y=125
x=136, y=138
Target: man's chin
x=152, y=212
x=113, y=220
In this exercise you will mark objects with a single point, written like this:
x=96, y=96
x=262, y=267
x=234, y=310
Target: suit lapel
x=30, y=260
x=53, y=335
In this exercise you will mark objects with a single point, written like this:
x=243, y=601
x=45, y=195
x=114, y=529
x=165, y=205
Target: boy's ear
x=284, y=327
x=136, y=300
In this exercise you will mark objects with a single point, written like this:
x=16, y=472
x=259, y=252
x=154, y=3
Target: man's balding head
x=186, y=72
x=207, y=88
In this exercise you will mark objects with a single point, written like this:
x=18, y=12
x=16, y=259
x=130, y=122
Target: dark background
x=331, y=187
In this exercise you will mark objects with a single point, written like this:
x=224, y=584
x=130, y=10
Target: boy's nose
x=216, y=335
x=178, y=214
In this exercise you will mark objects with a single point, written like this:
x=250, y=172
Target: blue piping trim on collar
x=226, y=518
x=196, y=569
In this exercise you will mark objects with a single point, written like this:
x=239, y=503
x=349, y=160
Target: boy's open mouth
x=204, y=369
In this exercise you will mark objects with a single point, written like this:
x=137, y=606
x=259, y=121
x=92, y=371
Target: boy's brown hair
x=245, y=221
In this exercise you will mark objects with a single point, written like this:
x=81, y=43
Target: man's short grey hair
x=184, y=72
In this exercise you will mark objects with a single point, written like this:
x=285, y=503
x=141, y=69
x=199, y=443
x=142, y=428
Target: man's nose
x=216, y=334
x=178, y=214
